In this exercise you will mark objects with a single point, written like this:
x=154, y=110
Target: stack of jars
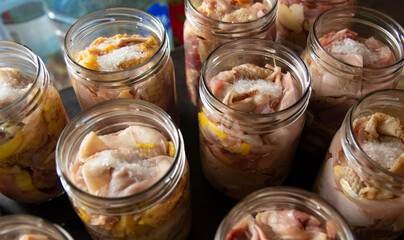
x=267, y=77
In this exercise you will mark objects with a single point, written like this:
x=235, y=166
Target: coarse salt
x=264, y=87
x=349, y=46
x=112, y=60
x=384, y=153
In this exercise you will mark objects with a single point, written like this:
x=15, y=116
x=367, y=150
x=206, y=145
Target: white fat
x=384, y=153
x=263, y=86
x=349, y=46
x=112, y=60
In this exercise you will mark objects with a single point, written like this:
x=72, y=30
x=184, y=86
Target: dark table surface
x=209, y=206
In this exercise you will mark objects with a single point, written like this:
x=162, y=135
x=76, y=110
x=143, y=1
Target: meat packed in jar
x=210, y=23
x=283, y=213
x=295, y=18
x=123, y=165
x=363, y=172
x=121, y=53
x=253, y=97
x=352, y=51
x=32, y=116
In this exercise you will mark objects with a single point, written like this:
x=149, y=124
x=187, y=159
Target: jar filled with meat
x=210, y=23
x=121, y=53
x=28, y=227
x=351, y=51
x=122, y=163
x=363, y=171
x=295, y=18
x=283, y=213
x=32, y=116
x=253, y=97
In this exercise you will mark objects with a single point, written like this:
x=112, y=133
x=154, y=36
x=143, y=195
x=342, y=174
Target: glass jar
x=203, y=34
x=296, y=17
x=152, y=80
x=242, y=151
x=32, y=116
x=293, y=207
x=160, y=210
x=368, y=195
x=30, y=227
x=337, y=85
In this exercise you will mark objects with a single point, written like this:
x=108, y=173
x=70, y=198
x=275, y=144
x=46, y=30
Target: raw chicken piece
x=110, y=57
x=250, y=88
x=279, y=224
x=295, y=18
x=121, y=163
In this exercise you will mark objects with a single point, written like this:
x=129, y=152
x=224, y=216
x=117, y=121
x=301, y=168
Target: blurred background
x=42, y=24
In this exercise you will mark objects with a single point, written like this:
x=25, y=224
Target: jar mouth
x=242, y=26
x=25, y=58
x=367, y=17
x=100, y=115
x=128, y=19
x=270, y=50
x=30, y=222
x=285, y=197
x=368, y=165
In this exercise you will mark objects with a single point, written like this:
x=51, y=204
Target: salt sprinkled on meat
x=9, y=95
x=138, y=169
x=112, y=60
x=263, y=86
x=384, y=153
x=349, y=46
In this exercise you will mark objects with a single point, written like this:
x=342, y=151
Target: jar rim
x=241, y=25
x=101, y=112
x=367, y=11
x=39, y=67
x=305, y=95
x=108, y=16
x=34, y=222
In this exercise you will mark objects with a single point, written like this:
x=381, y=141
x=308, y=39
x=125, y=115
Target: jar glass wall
x=283, y=213
x=32, y=116
x=351, y=51
x=205, y=29
x=121, y=53
x=253, y=97
x=30, y=227
x=363, y=173
x=122, y=163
